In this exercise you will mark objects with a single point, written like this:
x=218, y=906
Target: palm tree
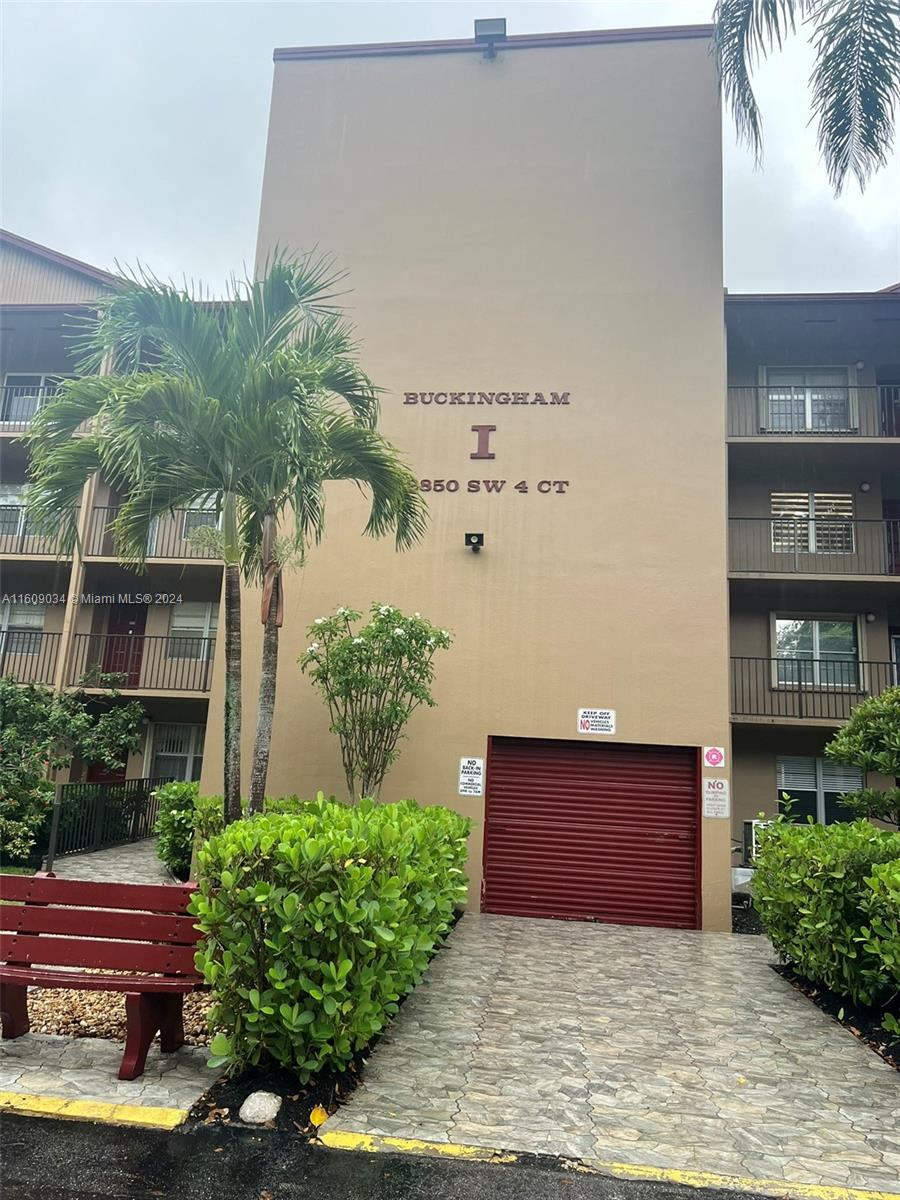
x=855, y=79
x=247, y=405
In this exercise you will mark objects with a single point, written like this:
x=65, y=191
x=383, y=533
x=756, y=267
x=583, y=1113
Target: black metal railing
x=20, y=402
x=767, y=410
x=805, y=688
x=814, y=546
x=95, y=816
x=171, y=536
x=29, y=656
x=128, y=661
x=17, y=538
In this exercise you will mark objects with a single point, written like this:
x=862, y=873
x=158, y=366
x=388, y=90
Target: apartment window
x=12, y=510
x=814, y=399
x=812, y=523
x=21, y=628
x=814, y=785
x=178, y=752
x=24, y=394
x=201, y=517
x=191, y=625
x=822, y=651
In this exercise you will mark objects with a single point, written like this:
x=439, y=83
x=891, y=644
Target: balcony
x=813, y=546
x=20, y=402
x=769, y=411
x=136, y=662
x=795, y=689
x=17, y=538
x=170, y=537
x=29, y=656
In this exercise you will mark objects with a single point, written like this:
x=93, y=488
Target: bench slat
x=39, y=977
x=135, y=897
x=98, y=923
x=25, y=949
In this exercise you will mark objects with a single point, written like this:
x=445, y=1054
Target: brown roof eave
x=59, y=260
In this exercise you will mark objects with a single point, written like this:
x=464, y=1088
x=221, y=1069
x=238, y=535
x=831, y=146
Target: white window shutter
x=796, y=774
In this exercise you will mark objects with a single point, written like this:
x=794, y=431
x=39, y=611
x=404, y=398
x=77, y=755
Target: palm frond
x=856, y=85
x=745, y=32
x=364, y=456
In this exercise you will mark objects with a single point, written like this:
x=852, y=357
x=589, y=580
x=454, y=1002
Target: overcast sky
x=137, y=131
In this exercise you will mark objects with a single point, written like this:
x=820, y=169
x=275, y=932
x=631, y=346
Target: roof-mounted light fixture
x=489, y=31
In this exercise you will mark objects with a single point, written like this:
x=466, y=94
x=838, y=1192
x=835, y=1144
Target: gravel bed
x=76, y=1013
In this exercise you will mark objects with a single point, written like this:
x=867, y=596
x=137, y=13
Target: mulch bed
x=864, y=1023
x=745, y=919
x=221, y=1104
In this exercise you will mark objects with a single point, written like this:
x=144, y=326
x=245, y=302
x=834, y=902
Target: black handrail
x=805, y=688
x=95, y=816
x=175, y=662
x=170, y=537
x=29, y=656
x=857, y=410
x=824, y=545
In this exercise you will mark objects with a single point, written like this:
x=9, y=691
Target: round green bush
x=316, y=924
x=813, y=892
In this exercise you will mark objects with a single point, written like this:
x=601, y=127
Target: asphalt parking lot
x=59, y=1160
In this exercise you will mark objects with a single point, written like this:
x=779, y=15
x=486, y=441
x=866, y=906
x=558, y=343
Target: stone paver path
x=646, y=1046
x=86, y=1069
x=135, y=862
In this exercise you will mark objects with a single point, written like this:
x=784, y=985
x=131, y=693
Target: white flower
x=398, y=632
x=357, y=641
x=417, y=614
x=342, y=612
x=385, y=609
x=312, y=647
x=319, y=621
x=431, y=641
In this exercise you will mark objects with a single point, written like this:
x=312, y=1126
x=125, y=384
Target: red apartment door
x=124, y=647
x=98, y=773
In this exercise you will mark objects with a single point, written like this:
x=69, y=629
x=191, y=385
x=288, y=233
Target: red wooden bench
x=144, y=930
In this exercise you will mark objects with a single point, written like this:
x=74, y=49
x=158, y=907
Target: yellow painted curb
x=25, y=1105
x=375, y=1143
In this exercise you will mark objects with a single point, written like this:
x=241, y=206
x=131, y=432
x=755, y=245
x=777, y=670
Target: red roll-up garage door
x=592, y=832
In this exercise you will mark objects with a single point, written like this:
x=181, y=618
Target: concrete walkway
x=653, y=1047
x=135, y=862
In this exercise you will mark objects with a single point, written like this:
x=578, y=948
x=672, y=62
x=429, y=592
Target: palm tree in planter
x=247, y=406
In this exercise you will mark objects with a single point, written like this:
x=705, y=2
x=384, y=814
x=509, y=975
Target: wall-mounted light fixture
x=870, y=618
x=859, y=364
x=489, y=31
x=865, y=486
x=475, y=541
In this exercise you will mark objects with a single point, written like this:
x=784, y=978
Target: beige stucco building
x=689, y=573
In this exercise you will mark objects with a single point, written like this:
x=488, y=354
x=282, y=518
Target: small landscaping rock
x=260, y=1107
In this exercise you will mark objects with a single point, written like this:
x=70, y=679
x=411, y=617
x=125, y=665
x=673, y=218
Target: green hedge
x=174, y=826
x=316, y=924
x=824, y=896
x=187, y=819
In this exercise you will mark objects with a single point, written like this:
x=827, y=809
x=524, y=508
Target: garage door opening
x=592, y=832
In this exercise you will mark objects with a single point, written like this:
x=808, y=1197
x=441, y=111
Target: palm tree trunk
x=267, y=682
x=232, y=766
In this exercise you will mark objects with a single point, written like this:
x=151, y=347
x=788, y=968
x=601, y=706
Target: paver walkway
x=654, y=1047
x=135, y=862
x=39, y=1064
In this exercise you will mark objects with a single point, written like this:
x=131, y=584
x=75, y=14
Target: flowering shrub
x=316, y=924
x=373, y=679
